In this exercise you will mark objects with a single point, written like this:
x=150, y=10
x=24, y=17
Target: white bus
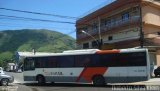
x=89, y=66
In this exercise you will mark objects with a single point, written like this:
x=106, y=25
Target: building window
x=135, y=10
x=107, y=22
x=94, y=44
x=94, y=27
x=85, y=45
x=113, y=21
x=110, y=38
x=125, y=16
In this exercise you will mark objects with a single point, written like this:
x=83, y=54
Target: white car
x=5, y=79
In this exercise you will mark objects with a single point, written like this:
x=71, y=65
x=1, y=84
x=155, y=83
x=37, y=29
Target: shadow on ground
x=82, y=85
x=64, y=85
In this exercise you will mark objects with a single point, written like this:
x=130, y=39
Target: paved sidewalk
x=152, y=81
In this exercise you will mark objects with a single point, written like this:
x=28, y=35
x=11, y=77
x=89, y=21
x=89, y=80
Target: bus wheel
x=41, y=80
x=98, y=80
x=156, y=75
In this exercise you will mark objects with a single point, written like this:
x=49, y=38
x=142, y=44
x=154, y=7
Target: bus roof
x=121, y=51
x=84, y=51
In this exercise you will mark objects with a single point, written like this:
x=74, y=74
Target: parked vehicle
x=5, y=79
x=11, y=67
x=157, y=72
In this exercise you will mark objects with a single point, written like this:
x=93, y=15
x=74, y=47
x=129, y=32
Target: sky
x=72, y=8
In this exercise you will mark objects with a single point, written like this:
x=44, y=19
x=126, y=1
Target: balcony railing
x=111, y=26
x=120, y=23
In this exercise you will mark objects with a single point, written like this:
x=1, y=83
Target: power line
x=24, y=25
x=33, y=19
x=38, y=13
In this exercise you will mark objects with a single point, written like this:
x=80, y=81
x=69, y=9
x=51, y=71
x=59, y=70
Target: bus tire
x=156, y=75
x=98, y=80
x=41, y=80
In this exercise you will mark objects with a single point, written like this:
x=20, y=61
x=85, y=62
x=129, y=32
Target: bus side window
x=41, y=62
x=87, y=61
x=137, y=59
x=66, y=61
x=78, y=61
x=107, y=60
x=52, y=62
x=96, y=62
x=83, y=61
x=37, y=63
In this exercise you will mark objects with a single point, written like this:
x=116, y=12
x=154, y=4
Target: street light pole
x=99, y=28
x=98, y=44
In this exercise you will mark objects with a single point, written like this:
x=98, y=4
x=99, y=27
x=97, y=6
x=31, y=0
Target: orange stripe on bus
x=107, y=51
x=89, y=72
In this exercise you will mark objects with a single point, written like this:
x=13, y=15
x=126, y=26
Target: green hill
x=27, y=39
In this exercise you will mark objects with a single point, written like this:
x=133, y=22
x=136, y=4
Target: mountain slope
x=41, y=40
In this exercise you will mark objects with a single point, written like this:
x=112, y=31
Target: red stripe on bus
x=88, y=73
x=107, y=51
x=81, y=75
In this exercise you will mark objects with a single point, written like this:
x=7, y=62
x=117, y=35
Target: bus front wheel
x=41, y=80
x=98, y=80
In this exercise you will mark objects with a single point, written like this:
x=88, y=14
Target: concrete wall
x=158, y=58
x=148, y=29
x=151, y=15
x=130, y=33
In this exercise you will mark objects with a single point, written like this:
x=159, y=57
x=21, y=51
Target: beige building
x=122, y=24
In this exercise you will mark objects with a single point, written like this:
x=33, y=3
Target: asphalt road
x=20, y=85
x=32, y=86
x=68, y=87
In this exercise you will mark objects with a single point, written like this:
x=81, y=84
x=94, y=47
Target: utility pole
x=141, y=27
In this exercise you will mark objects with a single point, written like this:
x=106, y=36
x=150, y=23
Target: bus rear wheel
x=41, y=80
x=98, y=80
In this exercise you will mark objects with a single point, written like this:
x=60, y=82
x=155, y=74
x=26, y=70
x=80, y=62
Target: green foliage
x=5, y=57
x=27, y=39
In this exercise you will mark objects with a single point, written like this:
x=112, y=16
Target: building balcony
x=121, y=23
x=113, y=26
